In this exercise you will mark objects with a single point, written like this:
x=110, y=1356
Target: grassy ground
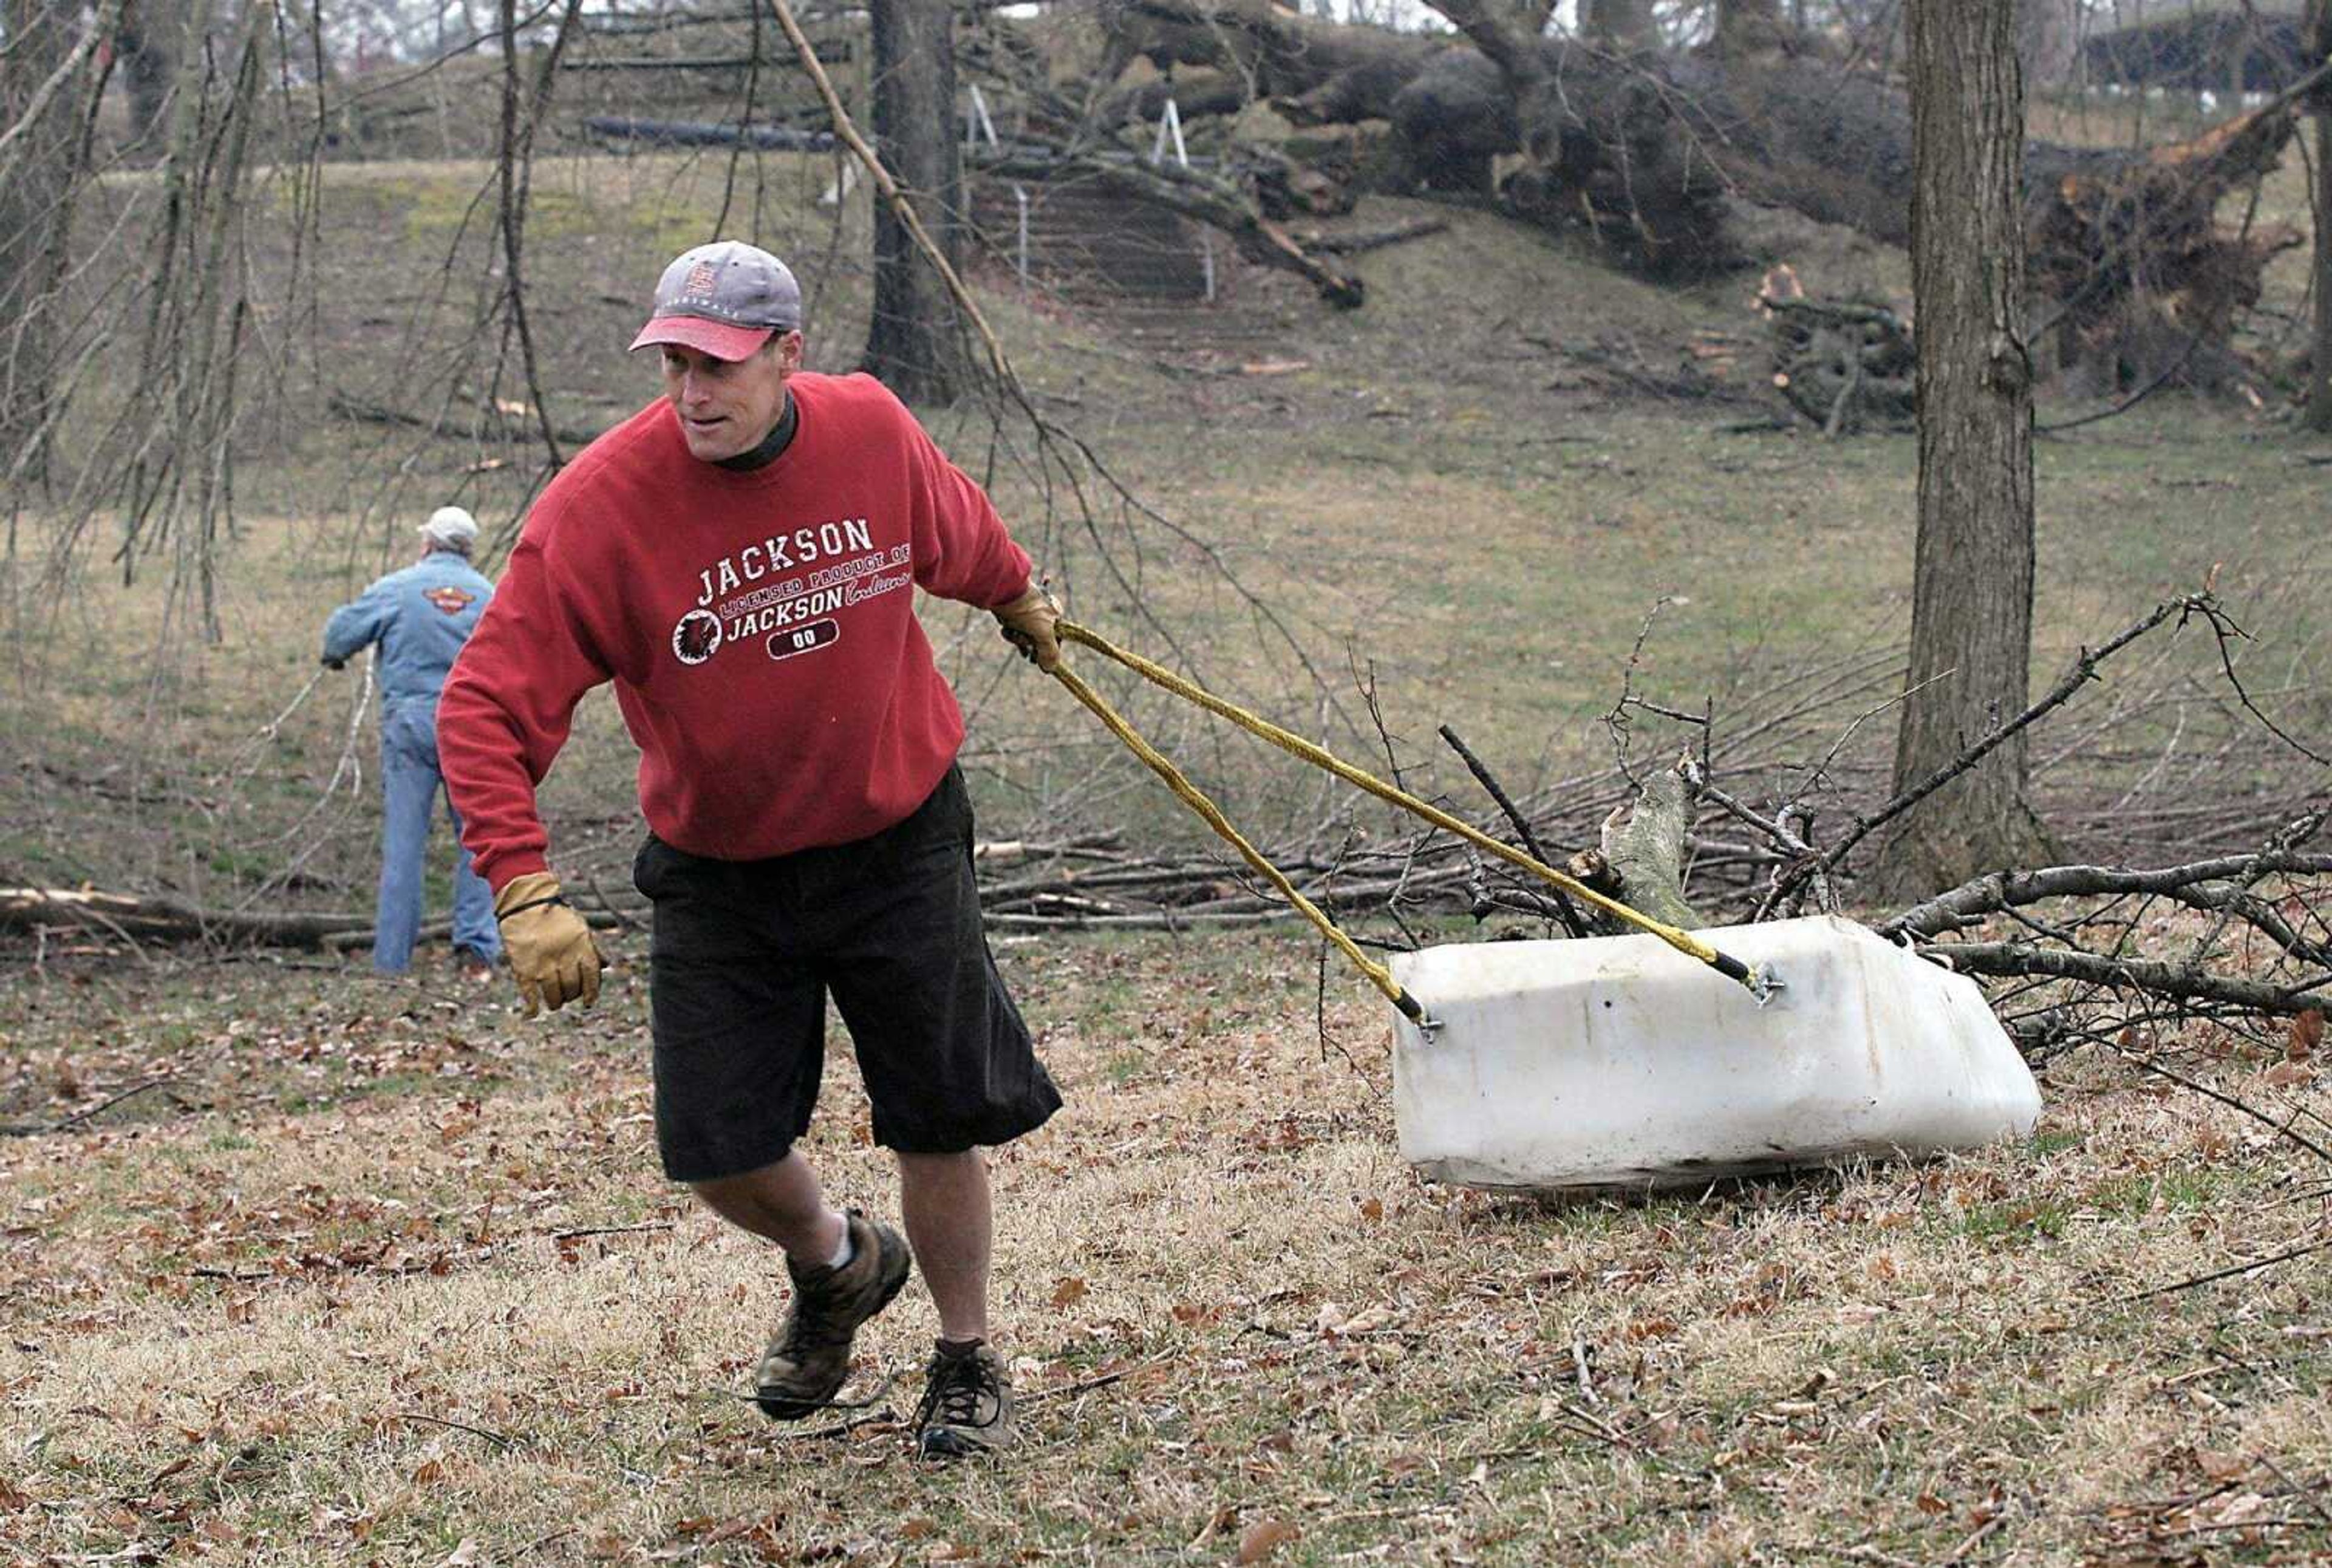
x=364, y=1272
x=377, y=1273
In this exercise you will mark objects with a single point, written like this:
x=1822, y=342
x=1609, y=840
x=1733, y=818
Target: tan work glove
x=550, y=949
x=1028, y=625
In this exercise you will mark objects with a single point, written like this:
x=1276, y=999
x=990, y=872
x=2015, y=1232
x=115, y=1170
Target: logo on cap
x=701, y=278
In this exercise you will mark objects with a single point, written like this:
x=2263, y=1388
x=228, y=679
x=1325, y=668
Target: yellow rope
x=1683, y=941
x=1196, y=799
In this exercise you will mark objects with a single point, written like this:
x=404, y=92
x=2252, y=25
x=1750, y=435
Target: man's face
x=727, y=406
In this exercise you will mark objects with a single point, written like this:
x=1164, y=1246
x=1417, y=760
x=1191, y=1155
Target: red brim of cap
x=718, y=338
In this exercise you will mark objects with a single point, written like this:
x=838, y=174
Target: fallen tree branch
x=1374, y=240
x=2201, y=884
x=366, y=412
x=2182, y=981
x=2254, y=1113
x=39, y=1129
x=708, y=133
x=1564, y=908
x=2256, y=1263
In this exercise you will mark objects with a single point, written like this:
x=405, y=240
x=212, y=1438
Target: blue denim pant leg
x=408, y=786
x=475, y=930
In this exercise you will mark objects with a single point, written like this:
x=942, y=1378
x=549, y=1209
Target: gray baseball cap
x=725, y=298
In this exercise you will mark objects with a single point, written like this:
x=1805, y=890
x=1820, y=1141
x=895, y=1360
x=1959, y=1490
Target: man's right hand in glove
x=1029, y=623
x=550, y=949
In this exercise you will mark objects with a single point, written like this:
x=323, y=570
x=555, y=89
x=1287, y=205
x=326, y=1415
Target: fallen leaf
x=1263, y=1537
x=2221, y=1465
x=1068, y=1291
x=1821, y=1378
x=2307, y=1034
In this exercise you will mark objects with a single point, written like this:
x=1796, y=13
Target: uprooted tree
x=1645, y=151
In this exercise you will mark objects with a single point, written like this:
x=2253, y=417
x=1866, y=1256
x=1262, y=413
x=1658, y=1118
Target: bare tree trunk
x=2318, y=416
x=913, y=344
x=152, y=34
x=1625, y=26
x=2045, y=41
x=1748, y=27
x=515, y=169
x=1972, y=592
x=36, y=188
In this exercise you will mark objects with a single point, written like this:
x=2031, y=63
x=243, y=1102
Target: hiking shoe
x=967, y=1405
x=809, y=1355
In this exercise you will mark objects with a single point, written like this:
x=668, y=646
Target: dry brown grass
x=309, y=1302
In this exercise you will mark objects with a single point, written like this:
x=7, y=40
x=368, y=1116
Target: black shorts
x=744, y=953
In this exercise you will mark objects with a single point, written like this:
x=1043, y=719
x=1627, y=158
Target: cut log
x=1847, y=365
x=1641, y=861
x=167, y=919
x=1374, y=240
x=1646, y=850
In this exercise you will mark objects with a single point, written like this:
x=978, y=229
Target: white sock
x=844, y=1253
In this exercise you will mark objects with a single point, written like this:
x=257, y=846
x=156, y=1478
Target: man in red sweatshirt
x=739, y=559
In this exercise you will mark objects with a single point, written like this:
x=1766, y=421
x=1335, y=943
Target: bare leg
x=781, y=1202
x=950, y=1225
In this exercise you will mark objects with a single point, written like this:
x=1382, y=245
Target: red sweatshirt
x=759, y=630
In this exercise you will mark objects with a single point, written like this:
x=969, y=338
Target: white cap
x=452, y=528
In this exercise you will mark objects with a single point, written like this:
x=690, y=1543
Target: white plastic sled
x=1618, y=1062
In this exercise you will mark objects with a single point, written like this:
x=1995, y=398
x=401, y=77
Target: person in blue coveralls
x=420, y=617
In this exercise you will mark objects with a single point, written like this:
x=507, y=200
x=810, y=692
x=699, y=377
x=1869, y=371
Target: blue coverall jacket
x=420, y=618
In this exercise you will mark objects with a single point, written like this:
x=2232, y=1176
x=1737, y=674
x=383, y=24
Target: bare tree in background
x=2048, y=36
x=2317, y=415
x=40, y=164
x=914, y=343
x=151, y=37
x=1624, y=25
x=1748, y=27
x=1972, y=592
